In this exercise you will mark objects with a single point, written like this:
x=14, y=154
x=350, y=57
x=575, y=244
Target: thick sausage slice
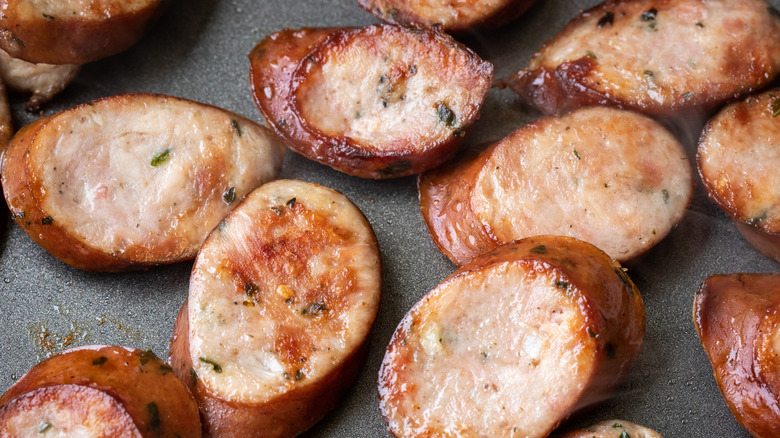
x=127, y=391
x=73, y=31
x=512, y=343
x=451, y=16
x=610, y=177
x=738, y=158
x=133, y=180
x=282, y=298
x=737, y=318
x=380, y=101
x=42, y=81
x=611, y=429
x=655, y=56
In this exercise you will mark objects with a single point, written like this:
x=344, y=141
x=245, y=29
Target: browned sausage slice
x=73, y=31
x=655, y=56
x=611, y=429
x=610, y=177
x=42, y=81
x=133, y=180
x=737, y=318
x=377, y=102
x=282, y=298
x=738, y=158
x=512, y=343
x=451, y=16
x=126, y=388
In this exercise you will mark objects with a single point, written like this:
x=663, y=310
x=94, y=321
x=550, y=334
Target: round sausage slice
x=133, y=180
x=737, y=318
x=100, y=391
x=611, y=429
x=73, y=31
x=658, y=57
x=451, y=16
x=377, y=102
x=282, y=298
x=610, y=177
x=512, y=343
x=738, y=157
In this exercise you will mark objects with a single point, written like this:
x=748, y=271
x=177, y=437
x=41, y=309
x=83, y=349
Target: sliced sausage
x=133, y=180
x=737, y=318
x=610, y=177
x=451, y=16
x=738, y=157
x=512, y=343
x=42, y=81
x=282, y=298
x=380, y=101
x=101, y=391
x=73, y=31
x=611, y=429
x=655, y=56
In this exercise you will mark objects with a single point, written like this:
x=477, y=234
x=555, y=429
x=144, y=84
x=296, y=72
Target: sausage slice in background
x=100, y=391
x=611, y=177
x=73, y=31
x=737, y=318
x=738, y=158
x=656, y=57
x=135, y=180
x=512, y=343
x=42, y=81
x=451, y=16
x=611, y=429
x=380, y=101
x=282, y=298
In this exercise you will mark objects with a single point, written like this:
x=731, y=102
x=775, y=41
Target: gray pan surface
x=198, y=50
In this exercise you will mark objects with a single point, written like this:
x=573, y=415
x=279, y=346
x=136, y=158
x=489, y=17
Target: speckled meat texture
x=134, y=180
x=610, y=177
x=659, y=57
x=450, y=15
x=513, y=343
x=380, y=101
x=738, y=158
x=737, y=319
x=282, y=298
x=99, y=391
x=611, y=429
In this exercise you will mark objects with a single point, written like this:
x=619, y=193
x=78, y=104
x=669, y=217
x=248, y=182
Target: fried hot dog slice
x=737, y=317
x=738, y=156
x=377, y=102
x=512, y=343
x=659, y=57
x=451, y=16
x=611, y=429
x=610, y=177
x=73, y=31
x=133, y=180
x=100, y=391
x=282, y=298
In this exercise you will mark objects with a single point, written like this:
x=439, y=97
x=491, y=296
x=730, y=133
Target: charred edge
x=396, y=167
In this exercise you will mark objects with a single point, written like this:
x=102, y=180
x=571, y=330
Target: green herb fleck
x=688, y=95
x=775, y=106
x=665, y=195
x=250, y=289
x=291, y=203
x=48, y=17
x=652, y=25
x=608, y=18
x=239, y=131
x=624, y=434
x=592, y=334
x=314, y=309
x=230, y=195
x=590, y=55
x=100, y=361
x=562, y=284
x=161, y=157
x=44, y=427
x=445, y=114
x=18, y=41
x=299, y=375
x=154, y=415
x=193, y=376
x=215, y=366
x=539, y=249
x=700, y=25
x=756, y=219
x=649, y=15
x=47, y=220
x=576, y=154
x=617, y=425
x=649, y=73
x=358, y=114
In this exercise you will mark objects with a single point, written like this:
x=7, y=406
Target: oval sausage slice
x=376, y=102
x=610, y=177
x=737, y=318
x=126, y=388
x=451, y=16
x=133, y=180
x=738, y=157
x=73, y=31
x=512, y=343
x=282, y=298
x=611, y=429
x=657, y=57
